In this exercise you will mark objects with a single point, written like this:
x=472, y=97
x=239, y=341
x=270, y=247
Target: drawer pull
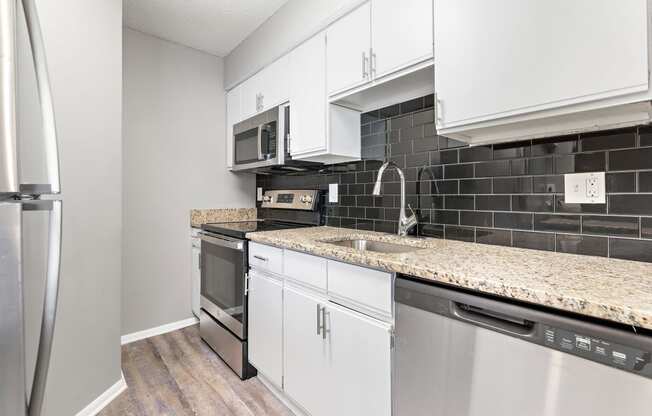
x=265, y=259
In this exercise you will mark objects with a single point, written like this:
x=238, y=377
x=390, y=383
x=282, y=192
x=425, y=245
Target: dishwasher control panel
x=597, y=349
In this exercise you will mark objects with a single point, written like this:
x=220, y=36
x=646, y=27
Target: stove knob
x=306, y=199
x=267, y=198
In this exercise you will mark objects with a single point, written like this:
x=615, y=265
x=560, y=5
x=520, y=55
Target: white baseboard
x=280, y=395
x=137, y=336
x=104, y=399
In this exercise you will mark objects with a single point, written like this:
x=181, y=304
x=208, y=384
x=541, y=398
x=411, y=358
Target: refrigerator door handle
x=49, y=308
x=45, y=94
x=8, y=163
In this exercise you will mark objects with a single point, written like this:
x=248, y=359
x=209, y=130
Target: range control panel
x=305, y=200
x=596, y=349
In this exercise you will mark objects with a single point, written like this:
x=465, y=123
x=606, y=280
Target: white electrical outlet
x=585, y=188
x=259, y=194
x=332, y=192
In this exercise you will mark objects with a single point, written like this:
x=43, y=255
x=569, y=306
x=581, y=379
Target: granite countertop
x=204, y=216
x=616, y=290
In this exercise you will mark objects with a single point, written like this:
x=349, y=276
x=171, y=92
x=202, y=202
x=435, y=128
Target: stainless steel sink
x=370, y=245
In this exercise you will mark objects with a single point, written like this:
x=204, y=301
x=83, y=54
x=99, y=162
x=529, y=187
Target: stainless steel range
x=224, y=267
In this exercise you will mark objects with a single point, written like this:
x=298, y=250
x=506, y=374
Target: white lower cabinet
x=327, y=359
x=344, y=371
x=359, y=364
x=266, y=326
x=306, y=353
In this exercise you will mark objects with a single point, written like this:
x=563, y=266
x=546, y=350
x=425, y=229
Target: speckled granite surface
x=617, y=290
x=203, y=216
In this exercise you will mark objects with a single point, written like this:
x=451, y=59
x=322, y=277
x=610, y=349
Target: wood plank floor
x=178, y=374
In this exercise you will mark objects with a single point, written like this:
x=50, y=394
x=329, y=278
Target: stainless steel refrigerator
x=23, y=201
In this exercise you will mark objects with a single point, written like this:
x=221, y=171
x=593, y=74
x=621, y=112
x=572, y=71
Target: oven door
x=223, y=269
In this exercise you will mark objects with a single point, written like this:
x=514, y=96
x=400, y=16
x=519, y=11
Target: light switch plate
x=259, y=194
x=585, y=188
x=332, y=192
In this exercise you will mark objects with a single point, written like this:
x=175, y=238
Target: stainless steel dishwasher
x=460, y=354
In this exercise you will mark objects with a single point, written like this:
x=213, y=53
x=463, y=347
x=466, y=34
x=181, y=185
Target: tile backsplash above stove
x=506, y=194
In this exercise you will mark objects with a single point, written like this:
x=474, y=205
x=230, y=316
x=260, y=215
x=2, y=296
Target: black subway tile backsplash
x=645, y=181
x=646, y=227
x=635, y=204
x=632, y=159
x=557, y=223
x=610, y=225
x=535, y=241
x=476, y=218
x=628, y=249
x=493, y=236
x=583, y=244
x=509, y=194
x=614, y=139
x=621, y=182
x=516, y=221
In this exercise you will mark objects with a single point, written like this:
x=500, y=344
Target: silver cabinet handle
x=323, y=322
x=372, y=62
x=45, y=94
x=318, y=319
x=8, y=152
x=365, y=61
x=48, y=318
x=265, y=259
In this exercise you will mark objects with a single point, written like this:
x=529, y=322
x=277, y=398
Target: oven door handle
x=221, y=241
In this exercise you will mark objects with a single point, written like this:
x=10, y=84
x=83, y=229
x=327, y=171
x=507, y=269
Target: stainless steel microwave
x=261, y=143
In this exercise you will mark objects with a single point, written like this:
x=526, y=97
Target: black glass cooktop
x=240, y=228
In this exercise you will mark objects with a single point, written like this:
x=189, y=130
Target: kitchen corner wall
x=174, y=144
x=505, y=194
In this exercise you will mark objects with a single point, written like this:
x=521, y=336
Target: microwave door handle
x=48, y=318
x=260, y=142
x=45, y=94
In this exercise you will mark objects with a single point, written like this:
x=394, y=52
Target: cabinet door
x=395, y=49
x=249, y=99
x=266, y=326
x=306, y=377
x=348, y=43
x=232, y=117
x=274, y=84
x=359, y=364
x=500, y=58
x=308, y=96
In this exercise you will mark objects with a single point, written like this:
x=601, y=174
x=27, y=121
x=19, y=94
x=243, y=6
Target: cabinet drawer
x=267, y=258
x=366, y=287
x=305, y=268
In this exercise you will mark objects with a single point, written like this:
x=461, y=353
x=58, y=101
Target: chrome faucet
x=405, y=223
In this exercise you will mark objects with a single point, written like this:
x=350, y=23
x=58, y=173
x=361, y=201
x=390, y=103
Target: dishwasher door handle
x=494, y=320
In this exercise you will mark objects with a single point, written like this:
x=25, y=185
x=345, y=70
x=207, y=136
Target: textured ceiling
x=213, y=26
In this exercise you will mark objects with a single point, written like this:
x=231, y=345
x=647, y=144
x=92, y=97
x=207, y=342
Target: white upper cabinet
x=349, y=40
x=319, y=132
x=401, y=34
x=500, y=60
x=308, y=96
x=266, y=89
x=275, y=84
x=232, y=117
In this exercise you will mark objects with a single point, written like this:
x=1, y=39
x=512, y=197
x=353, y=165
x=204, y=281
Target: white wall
x=83, y=43
x=174, y=143
x=293, y=23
